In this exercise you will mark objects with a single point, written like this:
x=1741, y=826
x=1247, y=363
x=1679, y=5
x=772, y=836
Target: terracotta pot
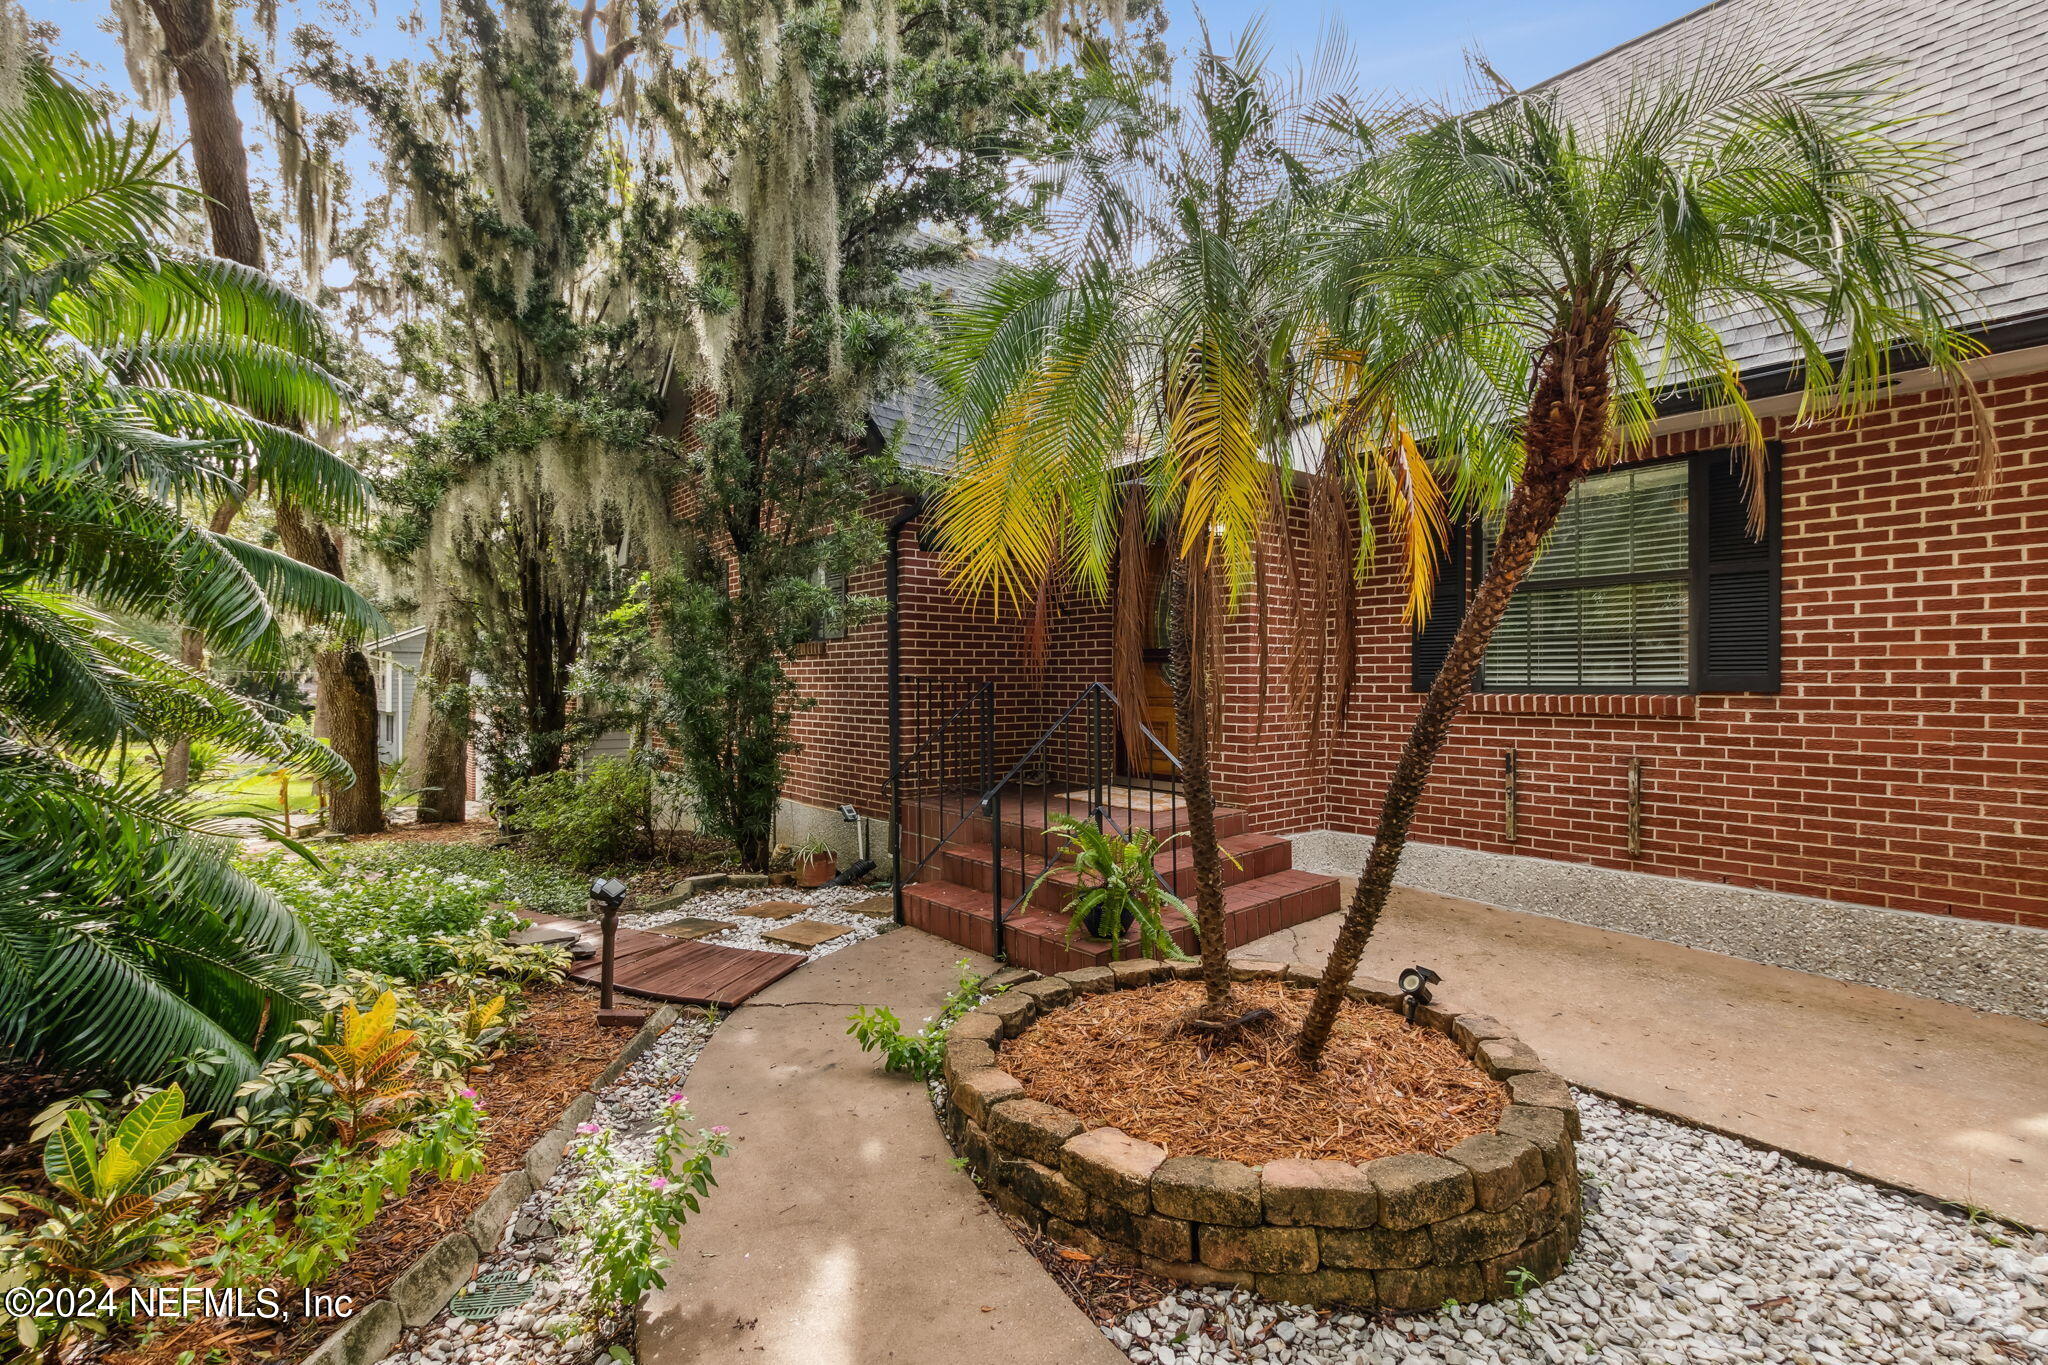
x=816, y=871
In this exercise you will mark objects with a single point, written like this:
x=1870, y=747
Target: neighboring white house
x=395, y=665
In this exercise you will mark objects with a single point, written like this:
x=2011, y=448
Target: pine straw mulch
x=561, y=1050
x=475, y=831
x=1384, y=1088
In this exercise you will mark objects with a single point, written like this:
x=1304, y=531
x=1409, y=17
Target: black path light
x=608, y=895
x=1415, y=984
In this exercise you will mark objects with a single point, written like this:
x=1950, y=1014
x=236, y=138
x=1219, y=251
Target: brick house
x=1759, y=746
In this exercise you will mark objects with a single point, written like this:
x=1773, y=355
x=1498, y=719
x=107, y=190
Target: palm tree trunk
x=1187, y=671
x=1565, y=431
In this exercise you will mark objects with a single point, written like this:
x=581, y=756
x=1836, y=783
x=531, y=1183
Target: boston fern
x=1117, y=887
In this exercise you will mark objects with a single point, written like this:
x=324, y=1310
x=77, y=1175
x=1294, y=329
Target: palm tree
x=140, y=380
x=1523, y=283
x=1153, y=371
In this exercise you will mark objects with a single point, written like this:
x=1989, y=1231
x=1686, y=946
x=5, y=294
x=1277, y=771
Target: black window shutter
x=1735, y=605
x=1430, y=646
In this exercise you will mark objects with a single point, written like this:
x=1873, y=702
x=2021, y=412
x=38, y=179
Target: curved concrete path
x=1916, y=1092
x=839, y=1232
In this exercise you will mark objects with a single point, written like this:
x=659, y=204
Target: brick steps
x=1027, y=824
x=953, y=896
x=1246, y=857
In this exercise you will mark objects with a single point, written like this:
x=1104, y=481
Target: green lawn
x=259, y=788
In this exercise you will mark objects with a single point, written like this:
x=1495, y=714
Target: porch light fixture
x=1415, y=984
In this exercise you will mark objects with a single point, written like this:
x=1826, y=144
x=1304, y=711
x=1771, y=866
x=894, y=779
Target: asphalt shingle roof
x=1976, y=69
x=927, y=440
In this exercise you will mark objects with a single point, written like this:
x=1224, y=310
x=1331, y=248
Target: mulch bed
x=523, y=1093
x=1385, y=1086
x=561, y=1051
x=468, y=832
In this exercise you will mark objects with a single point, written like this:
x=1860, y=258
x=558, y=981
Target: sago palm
x=1155, y=372
x=140, y=380
x=1523, y=283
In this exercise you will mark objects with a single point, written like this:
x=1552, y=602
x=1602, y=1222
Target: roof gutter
x=892, y=588
x=2021, y=333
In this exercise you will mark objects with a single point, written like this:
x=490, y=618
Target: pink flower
x=679, y=1098
x=468, y=1093
x=658, y=1183
x=719, y=1130
x=588, y=1128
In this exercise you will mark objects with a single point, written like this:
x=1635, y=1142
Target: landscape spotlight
x=610, y=890
x=1415, y=984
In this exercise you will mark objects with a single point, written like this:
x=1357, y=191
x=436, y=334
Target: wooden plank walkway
x=680, y=971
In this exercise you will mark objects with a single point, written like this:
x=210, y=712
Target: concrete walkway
x=1923, y=1094
x=840, y=1233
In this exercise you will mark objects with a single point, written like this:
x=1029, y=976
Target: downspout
x=893, y=589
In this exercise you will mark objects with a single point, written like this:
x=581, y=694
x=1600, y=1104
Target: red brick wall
x=1904, y=763
x=844, y=733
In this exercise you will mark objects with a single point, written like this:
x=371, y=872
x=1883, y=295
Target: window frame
x=1482, y=548
x=831, y=623
x=1701, y=569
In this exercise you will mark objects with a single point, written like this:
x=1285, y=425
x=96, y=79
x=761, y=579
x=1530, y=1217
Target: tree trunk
x=345, y=692
x=436, y=749
x=1187, y=670
x=347, y=696
x=177, y=773
x=192, y=39
x=1565, y=432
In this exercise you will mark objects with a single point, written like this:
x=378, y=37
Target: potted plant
x=1117, y=887
x=815, y=863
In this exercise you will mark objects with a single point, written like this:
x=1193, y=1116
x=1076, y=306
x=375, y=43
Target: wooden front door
x=1157, y=707
x=1158, y=713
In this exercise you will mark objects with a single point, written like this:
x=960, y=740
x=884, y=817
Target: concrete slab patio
x=1931, y=1096
x=840, y=1233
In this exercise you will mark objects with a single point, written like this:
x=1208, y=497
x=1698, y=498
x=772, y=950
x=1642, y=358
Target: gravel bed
x=826, y=904
x=1981, y=966
x=1696, y=1249
x=553, y=1327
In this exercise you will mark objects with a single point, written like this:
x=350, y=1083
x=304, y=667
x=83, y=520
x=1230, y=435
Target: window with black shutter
x=1652, y=581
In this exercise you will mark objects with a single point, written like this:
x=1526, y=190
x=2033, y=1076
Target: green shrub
x=587, y=820
x=877, y=1029
x=108, y=1219
x=627, y=1208
x=383, y=908
x=1116, y=886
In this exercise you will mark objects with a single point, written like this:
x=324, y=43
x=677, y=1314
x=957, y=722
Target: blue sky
x=1415, y=48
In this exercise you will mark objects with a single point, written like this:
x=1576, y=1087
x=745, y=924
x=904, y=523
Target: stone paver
x=772, y=909
x=840, y=1233
x=1931, y=1096
x=692, y=927
x=806, y=933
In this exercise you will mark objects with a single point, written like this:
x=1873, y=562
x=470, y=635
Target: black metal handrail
x=1081, y=747
x=956, y=757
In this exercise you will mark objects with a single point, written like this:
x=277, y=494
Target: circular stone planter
x=1400, y=1232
